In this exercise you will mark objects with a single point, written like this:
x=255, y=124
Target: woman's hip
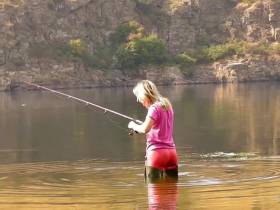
x=163, y=159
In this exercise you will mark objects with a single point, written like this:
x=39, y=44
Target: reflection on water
x=237, y=118
x=58, y=154
x=163, y=195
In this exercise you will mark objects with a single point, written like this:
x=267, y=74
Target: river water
x=56, y=153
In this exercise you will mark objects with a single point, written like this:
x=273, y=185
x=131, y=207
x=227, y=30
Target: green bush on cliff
x=249, y=1
x=216, y=52
x=184, y=59
x=254, y=1
x=205, y=54
x=73, y=50
x=77, y=47
x=258, y=48
x=276, y=48
x=239, y=48
x=146, y=50
x=125, y=32
x=102, y=58
x=129, y=48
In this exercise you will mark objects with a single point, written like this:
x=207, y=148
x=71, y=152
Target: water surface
x=59, y=154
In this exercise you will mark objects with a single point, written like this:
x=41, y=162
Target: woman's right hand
x=131, y=125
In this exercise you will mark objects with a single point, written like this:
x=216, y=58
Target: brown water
x=59, y=154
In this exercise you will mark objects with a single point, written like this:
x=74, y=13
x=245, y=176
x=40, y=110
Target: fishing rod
x=86, y=102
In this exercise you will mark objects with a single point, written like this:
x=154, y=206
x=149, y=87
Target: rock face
x=260, y=21
x=182, y=24
x=250, y=69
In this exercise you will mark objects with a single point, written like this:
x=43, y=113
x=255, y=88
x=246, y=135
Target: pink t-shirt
x=161, y=134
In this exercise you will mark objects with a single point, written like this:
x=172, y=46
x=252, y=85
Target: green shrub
x=254, y=1
x=102, y=58
x=124, y=58
x=219, y=51
x=276, y=48
x=185, y=62
x=260, y=49
x=74, y=49
x=122, y=33
x=77, y=47
x=147, y=50
x=184, y=59
x=249, y=1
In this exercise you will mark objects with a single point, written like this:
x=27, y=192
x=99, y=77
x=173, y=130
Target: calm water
x=59, y=154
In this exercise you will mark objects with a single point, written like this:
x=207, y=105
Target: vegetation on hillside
x=254, y=1
x=129, y=47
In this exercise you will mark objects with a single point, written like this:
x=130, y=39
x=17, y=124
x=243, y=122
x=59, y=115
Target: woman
x=161, y=157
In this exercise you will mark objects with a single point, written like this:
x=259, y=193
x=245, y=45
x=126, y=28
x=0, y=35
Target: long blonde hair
x=146, y=88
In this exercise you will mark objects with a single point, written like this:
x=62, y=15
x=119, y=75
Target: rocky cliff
x=29, y=26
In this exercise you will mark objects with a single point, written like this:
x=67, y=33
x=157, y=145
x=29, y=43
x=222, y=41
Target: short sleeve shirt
x=161, y=134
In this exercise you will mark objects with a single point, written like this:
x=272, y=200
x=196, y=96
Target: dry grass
x=11, y=3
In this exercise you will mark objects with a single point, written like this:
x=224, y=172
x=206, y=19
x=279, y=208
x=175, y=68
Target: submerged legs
x=153, y=174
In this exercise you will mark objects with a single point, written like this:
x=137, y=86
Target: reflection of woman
x=162, y=195
x=160, y=152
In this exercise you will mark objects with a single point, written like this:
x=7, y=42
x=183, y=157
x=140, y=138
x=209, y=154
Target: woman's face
x=144, y=101
x=141, y=96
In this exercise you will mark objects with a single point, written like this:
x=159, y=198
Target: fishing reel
x=131, y=132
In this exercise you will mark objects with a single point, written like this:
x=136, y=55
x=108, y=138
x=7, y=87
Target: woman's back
x=160, y=135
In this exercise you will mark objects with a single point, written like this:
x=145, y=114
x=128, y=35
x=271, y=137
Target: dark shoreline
x=24, y=87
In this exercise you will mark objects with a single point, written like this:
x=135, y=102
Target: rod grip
x=131, y=132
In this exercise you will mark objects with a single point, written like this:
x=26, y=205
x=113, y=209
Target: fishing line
x=115, y=123
x=89, y=103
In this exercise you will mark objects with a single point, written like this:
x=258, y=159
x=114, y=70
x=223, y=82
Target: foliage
x=249, y=1
x=221, y=51
x=254, y=1
x=259, y=48
x=126, y=31
x=146, y=50
x=11, y=3
x=276, y=48
x=102, y=58
x=130, y=48
x=184, y=59
x=216, y=52
x=77, y=47
x=72, y=50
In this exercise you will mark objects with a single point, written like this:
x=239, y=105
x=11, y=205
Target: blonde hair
x=148, y=89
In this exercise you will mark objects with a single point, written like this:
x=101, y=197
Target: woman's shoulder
x=157, y=106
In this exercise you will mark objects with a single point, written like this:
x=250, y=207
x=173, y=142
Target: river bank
x=66, y=75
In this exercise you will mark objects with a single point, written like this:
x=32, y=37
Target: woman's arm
x=145, y=127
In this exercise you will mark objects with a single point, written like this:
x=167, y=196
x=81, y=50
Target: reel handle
x=131, y=132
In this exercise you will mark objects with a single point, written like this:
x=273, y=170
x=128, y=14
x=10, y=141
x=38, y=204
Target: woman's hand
x=143, y=127
x=131, y=125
